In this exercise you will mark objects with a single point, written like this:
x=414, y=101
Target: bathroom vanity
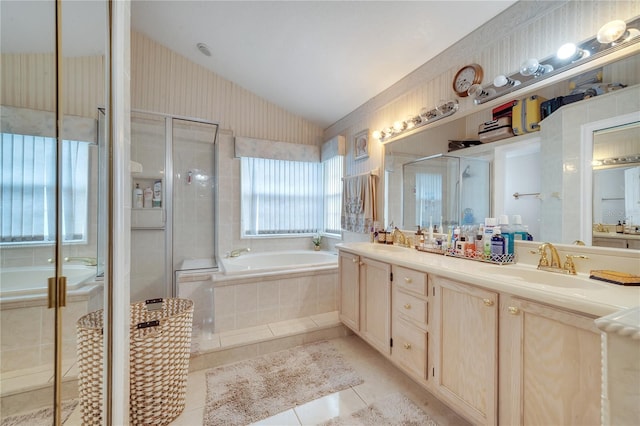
x=500, y=344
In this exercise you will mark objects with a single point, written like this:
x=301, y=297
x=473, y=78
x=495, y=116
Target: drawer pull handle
x=408, y=280
x=513, y=310
x=488, y=302
x=407, y=306
x=407, y=346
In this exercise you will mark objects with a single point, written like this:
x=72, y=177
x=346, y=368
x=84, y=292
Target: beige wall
x=527, y=29
x=164, y=81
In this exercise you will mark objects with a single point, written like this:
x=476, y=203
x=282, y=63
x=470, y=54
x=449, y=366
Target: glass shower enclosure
x=174, y=201
x=445, y=189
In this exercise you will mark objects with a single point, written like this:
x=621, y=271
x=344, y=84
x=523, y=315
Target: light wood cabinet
x=375, y=304
x=349, y=303
x=464, y=340
x=409, y=321
x=550, y=365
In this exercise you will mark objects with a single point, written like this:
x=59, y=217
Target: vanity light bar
x=617, y=160
x=585, y=52
x=444, y=109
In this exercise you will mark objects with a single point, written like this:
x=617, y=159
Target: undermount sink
x=388, y=248
x=531, y=275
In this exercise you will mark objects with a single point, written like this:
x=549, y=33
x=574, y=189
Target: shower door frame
x=171, y=289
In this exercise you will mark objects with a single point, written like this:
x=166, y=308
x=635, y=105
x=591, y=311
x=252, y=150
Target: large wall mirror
x=616, y=186
x=564, y=187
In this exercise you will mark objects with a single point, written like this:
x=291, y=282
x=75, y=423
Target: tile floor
x=380, y=378
x=379, y=375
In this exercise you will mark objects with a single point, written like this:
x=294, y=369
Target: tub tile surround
x=242, y=302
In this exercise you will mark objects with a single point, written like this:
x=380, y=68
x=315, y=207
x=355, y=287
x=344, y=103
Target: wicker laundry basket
x=160, y=340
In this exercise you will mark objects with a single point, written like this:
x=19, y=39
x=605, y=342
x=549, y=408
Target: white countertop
x=574, y=292
x=616, y=235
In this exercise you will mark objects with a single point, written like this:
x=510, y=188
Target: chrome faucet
x=553, y=265
x=88, y=261
x=237, y=252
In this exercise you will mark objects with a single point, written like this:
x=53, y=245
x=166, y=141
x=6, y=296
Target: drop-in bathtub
x=261, y=288
x=30, y=282
x=292, y=260
x=27, y=322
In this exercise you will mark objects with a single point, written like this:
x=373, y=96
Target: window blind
x=428, y=198
x=333, y=172
x=280, y=197
x=27, y=189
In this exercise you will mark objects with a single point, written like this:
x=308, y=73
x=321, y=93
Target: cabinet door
x=465, y=332
x=375, y=302
x=349, y=267
x=550, y=366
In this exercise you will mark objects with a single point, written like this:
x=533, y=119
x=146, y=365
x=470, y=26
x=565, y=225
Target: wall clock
x=465, y=78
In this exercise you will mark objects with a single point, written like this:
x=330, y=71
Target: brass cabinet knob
x=408, y=280
x=361, y=263
x=407, y=346
x=513, y=310
x=407, y=306
x=487, y=302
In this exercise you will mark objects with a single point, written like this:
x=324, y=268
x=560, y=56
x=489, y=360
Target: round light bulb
x=377, y=134
x=611, y=31
x=529, y=67
x=500, y=81
x=399, y=126
x=567, y=51
x=475, y=90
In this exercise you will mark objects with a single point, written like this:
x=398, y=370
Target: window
x=332, y=194
x=280, y=197
x=428, y=198
x=28, y=184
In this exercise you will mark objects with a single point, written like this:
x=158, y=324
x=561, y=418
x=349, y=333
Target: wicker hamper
x=160, y=340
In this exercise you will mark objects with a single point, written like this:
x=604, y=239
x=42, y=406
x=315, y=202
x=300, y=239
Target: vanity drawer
x=410, y=306
x=410, y=347
x=410, y=280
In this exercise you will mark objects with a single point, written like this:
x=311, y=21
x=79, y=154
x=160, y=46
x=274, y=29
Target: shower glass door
x=194, y=195
x=49, y=191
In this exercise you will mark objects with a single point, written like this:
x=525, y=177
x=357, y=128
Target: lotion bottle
x=137, y=197
x=497, y=244
x=148, y=198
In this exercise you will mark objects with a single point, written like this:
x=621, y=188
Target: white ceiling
x=317, y=59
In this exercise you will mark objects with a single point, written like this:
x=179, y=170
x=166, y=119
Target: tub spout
x=88, y=261
x=238, y=252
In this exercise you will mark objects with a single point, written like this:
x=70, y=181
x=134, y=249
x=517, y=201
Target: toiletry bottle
x=157, y=194
x=528, y=236
x=137, y=197
x=489, y=224
x=148, y=197
x=479, y=242
x=519, y=233
x=497, y=244
x=461, y=243
x=507, y=234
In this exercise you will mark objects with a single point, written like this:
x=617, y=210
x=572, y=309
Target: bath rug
x=394, y=409
x=251, y=390
x=41, y=417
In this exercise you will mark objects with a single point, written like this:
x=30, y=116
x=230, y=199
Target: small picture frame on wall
x=361, y=145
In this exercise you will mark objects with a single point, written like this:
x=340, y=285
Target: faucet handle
x=569, y=266
x=544, y=261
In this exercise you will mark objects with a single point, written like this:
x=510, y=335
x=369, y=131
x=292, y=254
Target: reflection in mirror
x=616, y=186
x=445, y=190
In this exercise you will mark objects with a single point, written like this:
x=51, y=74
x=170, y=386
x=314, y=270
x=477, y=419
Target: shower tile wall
x=147, y=245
